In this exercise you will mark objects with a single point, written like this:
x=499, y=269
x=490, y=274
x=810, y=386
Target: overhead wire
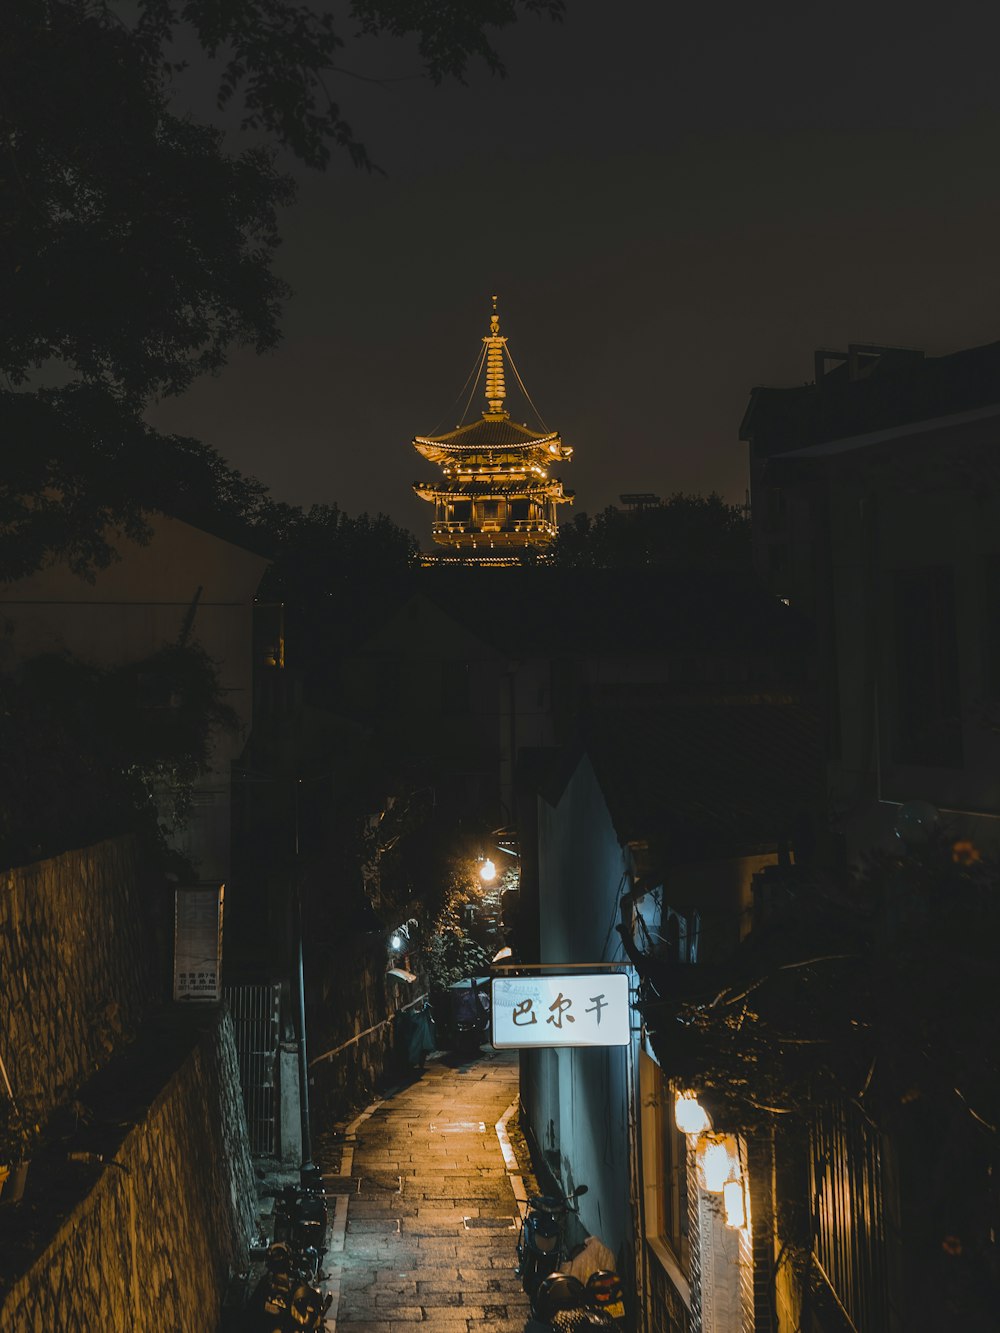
x=614, y=915
x=473, y=378
x=523, y=389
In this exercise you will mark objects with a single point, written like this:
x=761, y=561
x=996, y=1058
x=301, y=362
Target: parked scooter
x=566, y=1304
x=285, y=1299
x=541, y=1245
x=300, y=1219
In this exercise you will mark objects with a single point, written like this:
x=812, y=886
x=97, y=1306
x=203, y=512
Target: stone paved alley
x=424, y=1218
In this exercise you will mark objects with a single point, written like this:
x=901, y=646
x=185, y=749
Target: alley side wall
x=154, y=1243
x=577, y=1100
x=78, y=968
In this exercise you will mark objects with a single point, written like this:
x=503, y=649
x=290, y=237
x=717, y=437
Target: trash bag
x=415, y=1035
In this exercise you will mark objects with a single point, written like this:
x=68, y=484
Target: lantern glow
x=717, y=1161
x=732, y=1197
x=690, y=1116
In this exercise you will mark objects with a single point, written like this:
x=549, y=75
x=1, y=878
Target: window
x=990, y=621
x=460, y=511
x=384, y=677
x=519, y=509
x=456, y=688
x=664, y=1155
x=927, y=713
x=156, y=691
x=775, y=510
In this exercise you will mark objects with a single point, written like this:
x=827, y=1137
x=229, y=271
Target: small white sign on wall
x=198, y=943
x=560, y=1010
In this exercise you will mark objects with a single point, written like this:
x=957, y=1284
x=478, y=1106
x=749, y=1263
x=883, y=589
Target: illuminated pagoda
x=495, y=500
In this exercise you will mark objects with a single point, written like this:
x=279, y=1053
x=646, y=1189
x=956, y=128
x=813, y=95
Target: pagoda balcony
x=493, y=528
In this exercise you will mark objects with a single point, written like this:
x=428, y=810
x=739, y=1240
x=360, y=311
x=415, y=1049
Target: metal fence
x=850, y=1244
x=255, y=1013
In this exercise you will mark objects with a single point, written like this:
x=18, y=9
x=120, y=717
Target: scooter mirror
x=580, y=1189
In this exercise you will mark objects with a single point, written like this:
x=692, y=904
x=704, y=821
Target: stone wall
x=353, y=996
x=79, y=965
x=154, y=1243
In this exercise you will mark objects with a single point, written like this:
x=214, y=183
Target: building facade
x=876, y=510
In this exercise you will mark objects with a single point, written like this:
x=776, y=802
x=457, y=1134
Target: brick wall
x=353, y=995
x=155, y=1241
x=78, y=967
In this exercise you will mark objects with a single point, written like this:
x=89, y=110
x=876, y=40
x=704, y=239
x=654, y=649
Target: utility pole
x=307, y=1167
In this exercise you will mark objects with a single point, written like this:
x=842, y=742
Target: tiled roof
x=894, y=394
x=489, y=433
x=526, y=487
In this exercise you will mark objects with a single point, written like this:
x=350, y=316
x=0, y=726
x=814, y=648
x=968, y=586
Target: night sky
x=674, y=203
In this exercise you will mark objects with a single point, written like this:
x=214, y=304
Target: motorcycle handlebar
x=552, y=1203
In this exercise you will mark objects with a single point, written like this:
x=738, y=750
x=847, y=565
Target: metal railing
x=255, y=1013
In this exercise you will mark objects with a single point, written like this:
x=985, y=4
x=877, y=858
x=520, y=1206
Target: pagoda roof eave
x=491, y=431
x=520, y=455
x=469, y=490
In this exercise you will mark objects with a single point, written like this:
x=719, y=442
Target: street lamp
x=487, y=871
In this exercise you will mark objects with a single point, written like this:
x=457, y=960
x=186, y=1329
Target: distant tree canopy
x=320, y=551
x=136, y=248
x=87, y=752
x=684, y=532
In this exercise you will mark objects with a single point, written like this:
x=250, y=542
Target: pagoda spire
x=496, y=390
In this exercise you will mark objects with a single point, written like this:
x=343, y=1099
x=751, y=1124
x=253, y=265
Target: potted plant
x=17, y=1136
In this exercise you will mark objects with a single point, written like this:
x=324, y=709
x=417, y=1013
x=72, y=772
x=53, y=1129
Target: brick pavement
x=423, y=1223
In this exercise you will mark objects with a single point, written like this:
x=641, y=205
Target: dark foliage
x=80, y=469
x=135, y=250
x=279, y=57
x=880, y=993
x=321, y=554
x=87, y=753
x=686, y=532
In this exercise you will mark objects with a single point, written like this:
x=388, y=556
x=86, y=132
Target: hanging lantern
x=735, y=1205
x=487, y=871
x=717, y=1161
x=690, y=1116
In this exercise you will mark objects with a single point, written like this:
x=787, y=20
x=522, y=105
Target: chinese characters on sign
x=198, y=943
x=561, y=1010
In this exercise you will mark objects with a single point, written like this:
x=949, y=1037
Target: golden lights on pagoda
x=495, y=498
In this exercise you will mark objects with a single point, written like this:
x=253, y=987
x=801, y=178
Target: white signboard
x=560, y=1010
x=198, y=943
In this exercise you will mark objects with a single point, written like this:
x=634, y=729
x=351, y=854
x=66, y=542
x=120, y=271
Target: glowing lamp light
x=487, y=871
x=396, y=942
x=732, y=1198
x=690, y=1116
x=716, y=1161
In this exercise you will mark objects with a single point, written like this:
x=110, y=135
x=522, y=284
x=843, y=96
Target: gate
x=255, y=1012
